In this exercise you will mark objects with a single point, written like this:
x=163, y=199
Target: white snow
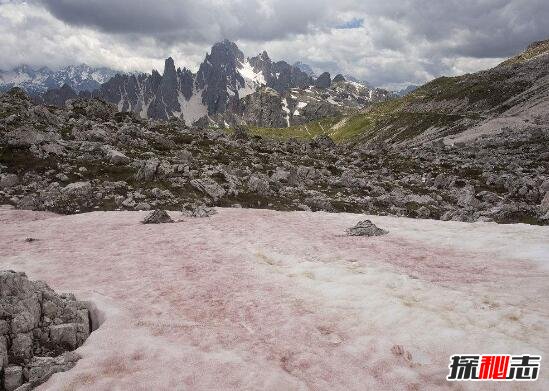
x=301, y=105
x=252, y=79
x=286, y=110
x=192, y=109
x=144, y=108
x=264, y=300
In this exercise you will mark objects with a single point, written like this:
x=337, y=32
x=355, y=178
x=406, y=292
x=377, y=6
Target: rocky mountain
x=38, y=81
x=229, y=90
x=513, y=96
x=326, y=99
x=224, y=78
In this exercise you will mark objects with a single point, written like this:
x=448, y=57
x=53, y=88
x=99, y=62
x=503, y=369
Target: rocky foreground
x=39, y=329
x=89, y=156
x=263, y=300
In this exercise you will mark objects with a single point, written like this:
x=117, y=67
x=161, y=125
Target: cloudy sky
x=389, y=43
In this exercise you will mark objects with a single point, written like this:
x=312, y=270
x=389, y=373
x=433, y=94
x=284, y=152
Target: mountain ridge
x=513, y=95
x=36, y=81
x=226, y=89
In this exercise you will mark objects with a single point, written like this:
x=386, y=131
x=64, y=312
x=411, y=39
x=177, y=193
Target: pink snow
x=265, y=300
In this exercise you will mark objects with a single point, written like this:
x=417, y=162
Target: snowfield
x=265, y=300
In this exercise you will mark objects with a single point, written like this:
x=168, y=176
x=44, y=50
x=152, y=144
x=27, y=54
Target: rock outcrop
x=87, y=157
x=157, y=216
x=366, y=228
x=323, y=81
x=39, y=329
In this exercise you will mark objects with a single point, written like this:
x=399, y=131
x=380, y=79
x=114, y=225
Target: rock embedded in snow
x=13, y=377
x=157, y=216
x=366, y=228
x=198, y=210
x=34, y=322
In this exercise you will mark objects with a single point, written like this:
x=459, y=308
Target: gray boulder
x=157, y=216
x=13, y=377
x=197, y=210
x=209, y=186
x=366, y=228
x=36, y=327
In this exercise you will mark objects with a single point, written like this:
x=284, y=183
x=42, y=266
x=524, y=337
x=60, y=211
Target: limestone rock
x=198, y=210
x=13, y=377
x=157, y=216
x=34, y=322
x=210, y=187
x=366, y=228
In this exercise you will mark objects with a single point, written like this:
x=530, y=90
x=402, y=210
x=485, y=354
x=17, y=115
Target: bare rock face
x=366, y=228
x=324, y=80
x=158, y=216
x=38, y=329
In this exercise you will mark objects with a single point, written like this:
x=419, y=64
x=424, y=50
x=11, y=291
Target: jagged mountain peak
x=169, y=69
x=223, y=80
x=225, y=52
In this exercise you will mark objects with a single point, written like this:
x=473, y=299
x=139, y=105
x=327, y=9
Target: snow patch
x=257, y=299
x=286, y=110
x=193, y=109
x=252, y=79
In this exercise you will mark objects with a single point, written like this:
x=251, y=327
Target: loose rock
x=157, y=216
x=366, y=228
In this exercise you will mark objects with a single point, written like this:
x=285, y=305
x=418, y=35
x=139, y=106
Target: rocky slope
x=38, y=81
x=229, y=90
x=512, y=97
x=89, y=156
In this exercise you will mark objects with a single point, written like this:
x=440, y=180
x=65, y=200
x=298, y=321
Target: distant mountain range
x=230, y=89
x=39, y=80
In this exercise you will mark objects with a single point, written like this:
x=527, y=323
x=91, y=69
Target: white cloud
x=391, y=43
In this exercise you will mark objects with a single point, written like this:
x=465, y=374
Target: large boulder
x=197, y=210
x=366, y=228
x=37, y=326
x=157, y=216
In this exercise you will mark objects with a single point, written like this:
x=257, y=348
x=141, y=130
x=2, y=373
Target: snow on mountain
x=252, y=79
x=35, y=81
x=261, y=300
x=227, y=89
x=192, y=109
